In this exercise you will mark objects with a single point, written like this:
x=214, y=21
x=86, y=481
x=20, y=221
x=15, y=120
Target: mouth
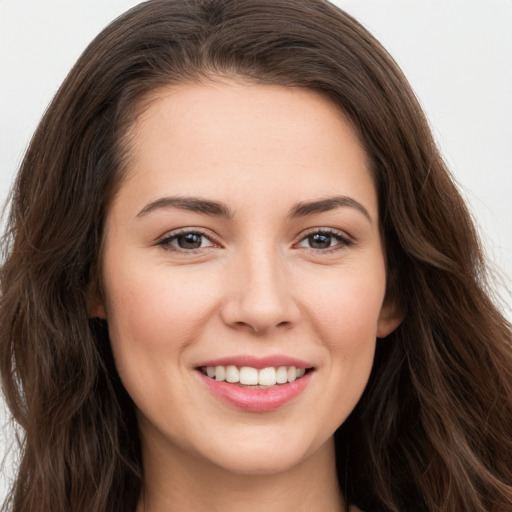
x=254, y=378
x=255, y=385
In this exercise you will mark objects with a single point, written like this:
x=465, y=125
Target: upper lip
x=276, y=361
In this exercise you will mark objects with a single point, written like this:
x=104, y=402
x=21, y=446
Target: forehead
x=217, y=136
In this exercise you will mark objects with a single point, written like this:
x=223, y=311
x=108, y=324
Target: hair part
x=432, y=430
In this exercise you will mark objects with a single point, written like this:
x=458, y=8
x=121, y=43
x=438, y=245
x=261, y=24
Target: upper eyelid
x=322, y=229
x=331, y=231
x=184, y=231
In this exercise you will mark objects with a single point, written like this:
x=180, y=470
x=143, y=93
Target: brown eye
x=324, y=241
x=186, y=241
x=189, y=241
x=319, y=241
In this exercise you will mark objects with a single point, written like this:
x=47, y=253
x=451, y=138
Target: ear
x=95, y=302
x=390, y=317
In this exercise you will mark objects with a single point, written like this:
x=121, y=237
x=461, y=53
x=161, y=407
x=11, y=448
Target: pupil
x=320, y=241
x=190, y=241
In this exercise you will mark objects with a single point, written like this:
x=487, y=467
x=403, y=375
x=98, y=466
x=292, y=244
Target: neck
x=175, y=481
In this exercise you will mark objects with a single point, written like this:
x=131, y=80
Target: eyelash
x=342, y=239
x=165, y=243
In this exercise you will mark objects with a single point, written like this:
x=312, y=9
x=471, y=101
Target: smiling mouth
x=254, y=378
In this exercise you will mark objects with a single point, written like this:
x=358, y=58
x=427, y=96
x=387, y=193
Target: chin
x=262, y=456
x=260, y=464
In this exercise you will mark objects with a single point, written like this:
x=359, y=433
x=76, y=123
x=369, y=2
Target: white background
x=457, y=55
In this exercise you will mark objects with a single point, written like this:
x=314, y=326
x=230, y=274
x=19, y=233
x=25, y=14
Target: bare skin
x=285, y=259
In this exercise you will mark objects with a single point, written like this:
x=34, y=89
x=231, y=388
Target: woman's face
x=244, y=238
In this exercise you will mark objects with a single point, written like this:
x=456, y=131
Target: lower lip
x=256, y=400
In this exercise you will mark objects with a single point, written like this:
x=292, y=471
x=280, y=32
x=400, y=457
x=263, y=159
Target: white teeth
x=220, y=373
x=232, y=374
x=248, y=376
x=267, y=377
x=282, y=375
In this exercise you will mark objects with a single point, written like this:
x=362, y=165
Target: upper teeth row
x=252, y=376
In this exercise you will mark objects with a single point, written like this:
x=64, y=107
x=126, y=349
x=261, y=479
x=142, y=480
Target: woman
x=238, y=276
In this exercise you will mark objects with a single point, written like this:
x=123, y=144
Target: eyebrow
x=218, y=209
x=327, y=204
x=193, y=204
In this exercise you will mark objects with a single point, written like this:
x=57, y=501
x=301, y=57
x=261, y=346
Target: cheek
x=347, y=307
x=153, y=315
x=346, y=325
x=152, y=310
x=345, y=317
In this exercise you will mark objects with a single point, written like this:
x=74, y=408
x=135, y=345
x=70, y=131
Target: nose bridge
x=259, y=295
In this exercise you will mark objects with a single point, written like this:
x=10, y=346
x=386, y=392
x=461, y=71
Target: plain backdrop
x=457, y=55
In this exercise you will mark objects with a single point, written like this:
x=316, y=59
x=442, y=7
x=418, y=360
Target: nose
x=259, y=295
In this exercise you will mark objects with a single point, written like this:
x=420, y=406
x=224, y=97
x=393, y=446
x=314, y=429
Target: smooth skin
x=246, y=270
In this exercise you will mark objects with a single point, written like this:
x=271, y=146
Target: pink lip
x=256, y=400
x=257, y=362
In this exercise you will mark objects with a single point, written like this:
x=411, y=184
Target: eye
x=324, y=240
x=186, y=241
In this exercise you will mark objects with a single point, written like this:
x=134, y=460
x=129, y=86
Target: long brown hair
x=432, y=431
